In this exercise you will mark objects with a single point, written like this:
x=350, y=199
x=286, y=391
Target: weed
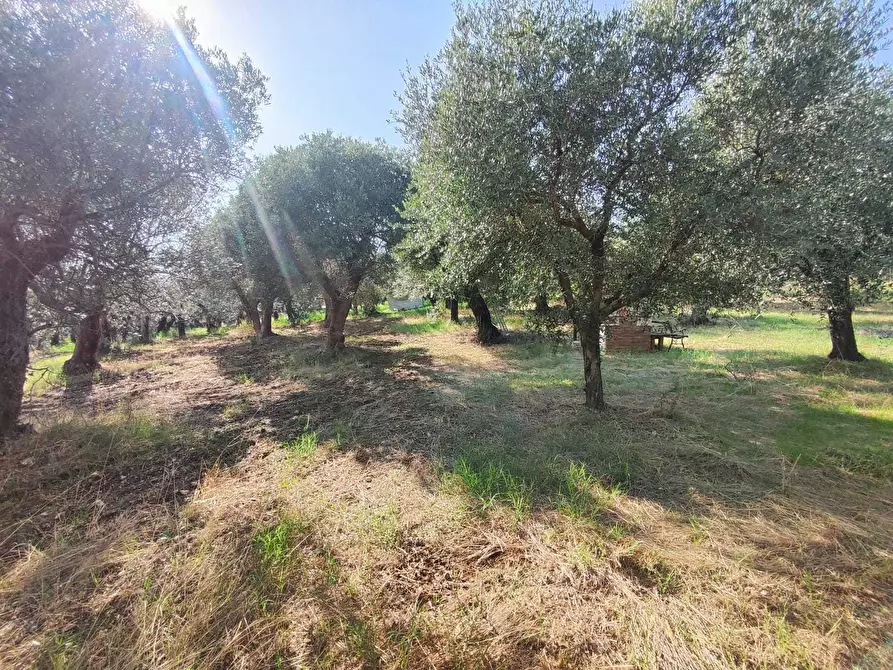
x=617, y=531
x=274, y=548
x=237, y=410
x=578, y=496
x=304, y=445
x=382, y=526
x=493, y=484
x=332, y=567
x=62, y=651
x=360, y=638
x=274, y=545
x=244, y=378
x=699, y=533
x=584, y=555
x=342, y=434
x=404, y=639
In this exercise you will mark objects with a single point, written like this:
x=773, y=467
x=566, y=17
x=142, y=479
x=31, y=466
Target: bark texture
x=590, y=343
x=487, y=333
x=20, y=261
x=13, y=343
x=266, y=319
x=843, y=336
x=327, y=319
x=337, y=316
x=85, y=358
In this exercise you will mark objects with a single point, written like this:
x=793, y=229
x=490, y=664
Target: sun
x=159, y=9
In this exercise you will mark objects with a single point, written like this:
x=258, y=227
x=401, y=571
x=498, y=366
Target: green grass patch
x=303, y=446
x=275, y=549
x=45, y=373
x=582, y=495
x=421, y=326
x=493, y=484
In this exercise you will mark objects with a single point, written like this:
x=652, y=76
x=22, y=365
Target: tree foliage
x=106, y=130
x=565, y=129
x=803, y=104
x=332, y=202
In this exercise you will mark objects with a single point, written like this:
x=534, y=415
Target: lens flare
x=162, y=9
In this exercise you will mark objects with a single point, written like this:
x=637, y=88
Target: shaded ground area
x=422, y=501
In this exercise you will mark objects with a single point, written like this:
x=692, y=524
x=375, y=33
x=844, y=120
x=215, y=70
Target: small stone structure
x=627, y=337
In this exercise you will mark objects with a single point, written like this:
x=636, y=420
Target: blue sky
x=332, y=64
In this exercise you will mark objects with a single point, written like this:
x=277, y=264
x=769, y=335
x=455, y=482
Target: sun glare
x=159, y=9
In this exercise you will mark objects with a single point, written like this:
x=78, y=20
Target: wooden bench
x=666, y=330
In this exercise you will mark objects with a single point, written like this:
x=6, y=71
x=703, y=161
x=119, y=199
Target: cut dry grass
x=425, y=502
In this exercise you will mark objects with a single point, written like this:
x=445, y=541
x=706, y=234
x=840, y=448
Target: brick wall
x=627, y=337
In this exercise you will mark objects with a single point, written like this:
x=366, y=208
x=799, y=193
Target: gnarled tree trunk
x=843, y=336
x=19, y=262
x=590, y=343
x=13, y=343
x=337, y=316
x=85, y=358
x=146, y=335
x=487, y=333
x=266, y=319
x=250, y=307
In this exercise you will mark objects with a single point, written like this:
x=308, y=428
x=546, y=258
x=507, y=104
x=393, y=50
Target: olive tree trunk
x=338, y=309
x=843, y=336
x=13, y=343
x=590, y=343
x=327, y=319
x=541, y=304
x=487, y=333
x=145, y=334
x=250, y=307
x=85, y=358
x=266, y=319
x=454, y=310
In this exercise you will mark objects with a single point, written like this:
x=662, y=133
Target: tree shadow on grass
x=521, y=433
x=113, y=463
x=376, y=392
x=696, y=438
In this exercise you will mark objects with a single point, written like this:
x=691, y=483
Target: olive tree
x=561, y=126
x=453, y=258
x=103, y=125
x=334, y=202
x=803, y=101
x=255, y=259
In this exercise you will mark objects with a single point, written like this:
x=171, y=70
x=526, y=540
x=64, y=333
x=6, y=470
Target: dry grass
x=424, y=502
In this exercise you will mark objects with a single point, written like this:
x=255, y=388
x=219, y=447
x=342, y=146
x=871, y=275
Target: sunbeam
x=164, y=10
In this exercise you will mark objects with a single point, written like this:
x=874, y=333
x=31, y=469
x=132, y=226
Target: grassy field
x=424, y=502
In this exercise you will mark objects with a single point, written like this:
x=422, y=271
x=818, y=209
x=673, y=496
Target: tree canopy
x=610, y=145
x=107, y=131
x=333, y=203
